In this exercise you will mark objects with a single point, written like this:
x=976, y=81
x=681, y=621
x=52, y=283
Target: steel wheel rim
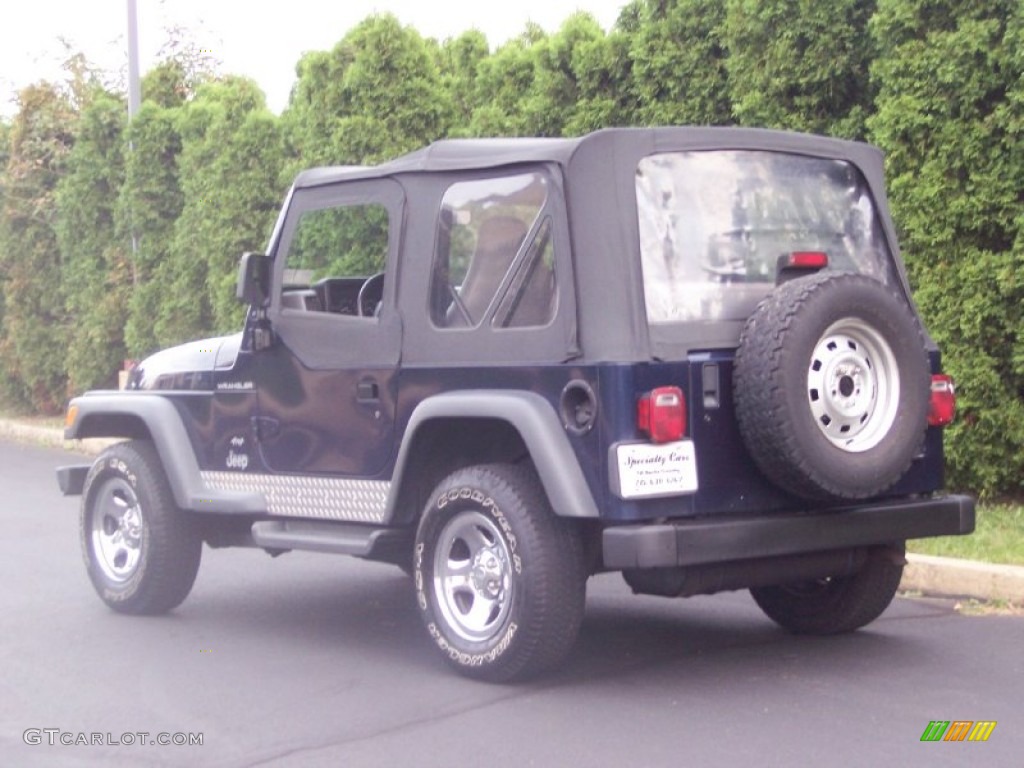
x=116, y=530
x=853, y=385
x=473, y=577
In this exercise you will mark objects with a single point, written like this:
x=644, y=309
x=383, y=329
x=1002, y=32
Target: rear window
x=713, y=225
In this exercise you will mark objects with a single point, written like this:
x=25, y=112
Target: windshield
x=714, y=224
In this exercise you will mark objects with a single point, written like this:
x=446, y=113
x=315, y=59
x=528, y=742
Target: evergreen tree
x=376, y=95
x=800, y=65
x=950, y=113
x=230, y=166
x=9, y=387
x=459, y=60
x=33, y=333
x=678, y=54
x=96, y=272
x=148, y=206
x=151, y=200
x=503, y=82
x=572, y=67
x=606, y=72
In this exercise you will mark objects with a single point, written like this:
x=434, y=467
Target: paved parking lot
x=317, y=660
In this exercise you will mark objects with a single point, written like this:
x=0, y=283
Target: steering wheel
x=370, y=293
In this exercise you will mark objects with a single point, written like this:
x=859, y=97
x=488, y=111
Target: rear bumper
x=696, y=542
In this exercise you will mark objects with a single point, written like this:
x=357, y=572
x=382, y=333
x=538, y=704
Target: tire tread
x=173, y=547
x=850, y=603
x=553, y=551
x=762, y=381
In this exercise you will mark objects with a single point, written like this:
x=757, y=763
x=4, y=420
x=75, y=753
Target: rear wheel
x=837, y=604
x=500, y=580
x=141, y=552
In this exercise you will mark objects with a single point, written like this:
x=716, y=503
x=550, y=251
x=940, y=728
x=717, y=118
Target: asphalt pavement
x=317, y=660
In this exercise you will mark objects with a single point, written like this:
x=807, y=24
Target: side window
x=336, y=259
x=495, y=255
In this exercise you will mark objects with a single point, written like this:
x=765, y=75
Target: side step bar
x=389, y=544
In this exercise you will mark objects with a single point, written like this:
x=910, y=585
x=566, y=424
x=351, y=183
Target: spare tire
x=831, y=386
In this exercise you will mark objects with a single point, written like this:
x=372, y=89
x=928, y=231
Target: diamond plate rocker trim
x=322, y=498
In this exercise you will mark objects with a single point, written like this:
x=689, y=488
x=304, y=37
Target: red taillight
x=806, y=260
x=661, y=413
x=790, y=266
x=943, y=401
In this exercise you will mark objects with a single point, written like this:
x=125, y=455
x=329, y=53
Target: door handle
x=367, y=391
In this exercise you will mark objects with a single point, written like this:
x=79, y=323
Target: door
x=327, y=385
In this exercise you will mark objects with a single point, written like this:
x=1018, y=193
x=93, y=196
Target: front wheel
x=839, y=603
x=500, y=580
x=141, y=551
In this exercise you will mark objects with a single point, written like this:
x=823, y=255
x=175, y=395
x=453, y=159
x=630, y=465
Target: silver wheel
x=853, y=385
x=831, y=384
x=500, y=581
x=116, y=530
x=473, y=577
x=141, y=551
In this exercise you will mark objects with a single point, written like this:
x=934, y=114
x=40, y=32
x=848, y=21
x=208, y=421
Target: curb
x=51, y=437
x=949, y=577
x=924, y=574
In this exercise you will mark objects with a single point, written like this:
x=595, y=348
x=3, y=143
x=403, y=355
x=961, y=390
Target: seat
x=496, y=246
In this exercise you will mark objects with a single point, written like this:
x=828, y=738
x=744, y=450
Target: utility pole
x=134, y=90
x=134, y=101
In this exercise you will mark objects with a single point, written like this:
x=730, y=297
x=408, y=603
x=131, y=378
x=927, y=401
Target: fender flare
x=535, y=421
x=117, y=414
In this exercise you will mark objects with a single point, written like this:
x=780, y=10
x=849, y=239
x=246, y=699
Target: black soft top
x=599, y=171
x=475, y=154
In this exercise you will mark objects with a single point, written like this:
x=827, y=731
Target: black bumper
x=72, y=479
x=695, y=542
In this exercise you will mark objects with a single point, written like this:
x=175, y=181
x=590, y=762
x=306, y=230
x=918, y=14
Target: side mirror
x=253, y=279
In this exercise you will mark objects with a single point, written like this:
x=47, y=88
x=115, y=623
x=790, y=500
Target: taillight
x=804, y=260
x=661, y=414
x=797, y=264
x=943, y=401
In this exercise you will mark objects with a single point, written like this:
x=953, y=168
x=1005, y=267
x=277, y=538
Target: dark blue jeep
x=686, y=354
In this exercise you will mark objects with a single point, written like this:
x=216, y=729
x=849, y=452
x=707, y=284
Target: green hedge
x=200, y=173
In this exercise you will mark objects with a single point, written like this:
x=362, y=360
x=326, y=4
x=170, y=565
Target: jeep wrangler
x=504, y=365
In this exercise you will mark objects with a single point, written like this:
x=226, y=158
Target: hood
x=188, y=366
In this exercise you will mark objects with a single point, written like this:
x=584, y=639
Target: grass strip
x=997, y=538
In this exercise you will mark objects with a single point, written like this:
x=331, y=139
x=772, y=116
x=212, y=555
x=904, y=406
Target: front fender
x=144, y=416
x=538, y=426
